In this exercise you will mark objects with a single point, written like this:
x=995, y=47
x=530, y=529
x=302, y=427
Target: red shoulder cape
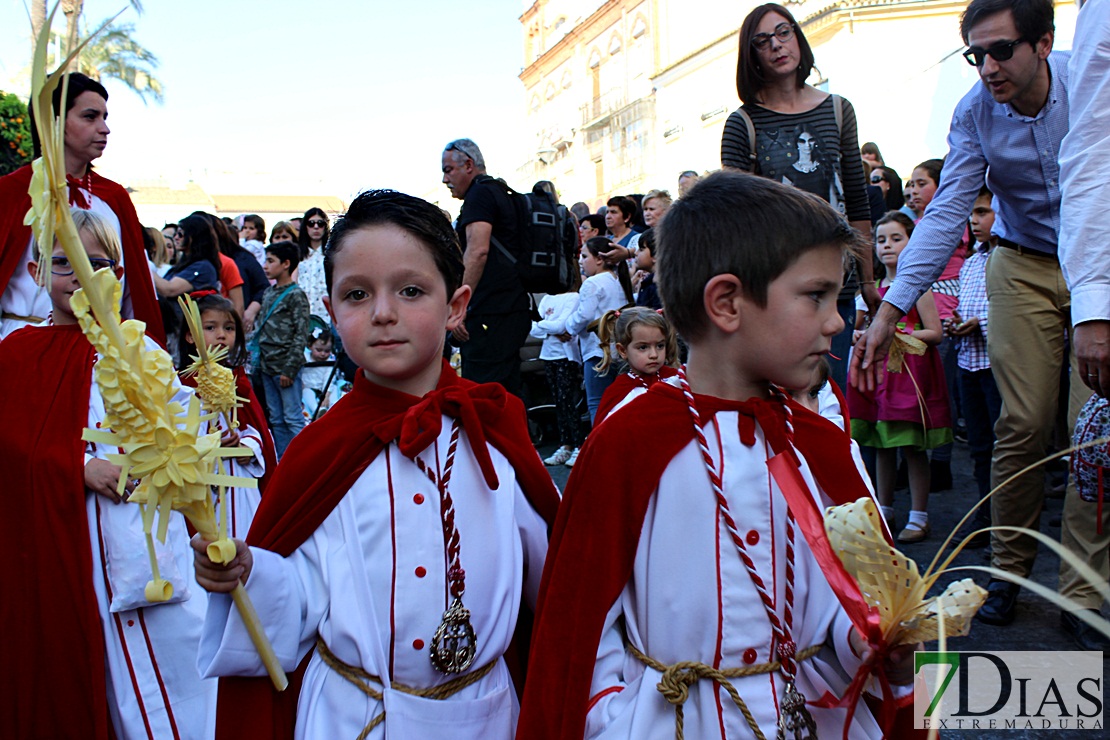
x=576, y=594
x=14, y=237
x=324, y=461
x=51, y=646
x=622, y=386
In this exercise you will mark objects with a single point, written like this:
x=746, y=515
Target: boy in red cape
x=402, y=529
x=85, y=654
x=681, y=590
x=86, y=133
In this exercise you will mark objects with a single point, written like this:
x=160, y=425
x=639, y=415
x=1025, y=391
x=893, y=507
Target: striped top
x=804, y=150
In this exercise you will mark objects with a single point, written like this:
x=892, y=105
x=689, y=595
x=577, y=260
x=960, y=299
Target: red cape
x=625, y=384
x=14, y=237
x=324, y=461
x=51, y=643
x=575, y=594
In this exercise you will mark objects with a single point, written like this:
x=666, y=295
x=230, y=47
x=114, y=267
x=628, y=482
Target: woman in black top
x=803, y=137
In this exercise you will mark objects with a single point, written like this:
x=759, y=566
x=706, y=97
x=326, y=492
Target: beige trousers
x=1030, y=315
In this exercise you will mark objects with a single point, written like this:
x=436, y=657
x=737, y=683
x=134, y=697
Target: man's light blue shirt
x=1016, y=156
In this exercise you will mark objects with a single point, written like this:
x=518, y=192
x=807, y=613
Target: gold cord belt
x=362, y=680
x=16, y=317
x=678, y=678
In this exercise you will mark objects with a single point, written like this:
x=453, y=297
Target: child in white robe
x=417, y=493
x=705, y=565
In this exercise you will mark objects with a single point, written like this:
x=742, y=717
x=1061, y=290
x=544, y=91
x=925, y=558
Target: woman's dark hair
x=599, y=244
x=933, y=167
x=425, y=222
x=225, y=242
x=302, y=236
x=78, y=83
x=199, y=242
x=895, y=197
x=749, y=74
x=237, y=355
x=1032, y=18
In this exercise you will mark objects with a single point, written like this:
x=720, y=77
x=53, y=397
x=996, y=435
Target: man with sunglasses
x=497, y=320
x=1006, y=133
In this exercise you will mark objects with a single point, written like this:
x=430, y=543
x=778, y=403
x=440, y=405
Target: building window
x=614, y=45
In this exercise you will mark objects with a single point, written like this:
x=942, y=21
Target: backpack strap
x=752, y=156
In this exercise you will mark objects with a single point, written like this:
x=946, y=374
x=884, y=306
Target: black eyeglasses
x=1000, y=52
x=62, y=267
x=783, y=32
x=316, y=224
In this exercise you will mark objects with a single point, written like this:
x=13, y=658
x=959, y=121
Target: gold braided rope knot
x=362, y=679
x=676, y=680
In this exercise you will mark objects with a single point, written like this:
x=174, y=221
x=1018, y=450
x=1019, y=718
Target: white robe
x=242, y=501
x=690, y=599
x=151, y=646
x=371, y=581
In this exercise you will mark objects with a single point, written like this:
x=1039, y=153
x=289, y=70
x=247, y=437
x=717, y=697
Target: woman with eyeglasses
x=310, y=273
x=793, y=133
x=889, y=181
x=22, y=301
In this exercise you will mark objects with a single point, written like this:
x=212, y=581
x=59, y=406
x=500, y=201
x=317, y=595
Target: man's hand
x=285, y=381
x=221, y=578
x=1092, y=350
x=460, y=333
x=617, y=253
x=871, y=296
x=230, y=438
x=867, y=359
x=958, y=328
x=102, y=477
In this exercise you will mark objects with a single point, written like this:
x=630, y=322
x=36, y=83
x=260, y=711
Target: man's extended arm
x=934, y=240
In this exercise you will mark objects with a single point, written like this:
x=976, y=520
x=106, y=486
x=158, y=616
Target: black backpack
x=546, y=241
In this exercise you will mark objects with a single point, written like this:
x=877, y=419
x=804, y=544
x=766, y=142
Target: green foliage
x=15, y=133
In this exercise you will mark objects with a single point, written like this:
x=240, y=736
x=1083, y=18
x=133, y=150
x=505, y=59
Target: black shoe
x=1001, y=603
x=959, y=434
x=940, y=476
x=978, y=541
x=1082, y=634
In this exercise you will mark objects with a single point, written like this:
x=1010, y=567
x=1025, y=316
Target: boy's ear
x=33, y=270
x=188, y=337
x=457, y=307
x=724, y=300
x=327, y=305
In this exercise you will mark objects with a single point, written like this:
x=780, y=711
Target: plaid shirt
x=972, y=354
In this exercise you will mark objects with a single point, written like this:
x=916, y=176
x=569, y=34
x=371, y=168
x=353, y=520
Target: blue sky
x=330, y=96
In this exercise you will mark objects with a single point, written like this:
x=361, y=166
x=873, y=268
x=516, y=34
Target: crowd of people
x=410, y=555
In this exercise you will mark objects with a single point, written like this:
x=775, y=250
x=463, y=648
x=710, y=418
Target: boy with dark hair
x=711, y=611
x=404, y=528
x=281, y=338
x=979, y=392
x=647, y=292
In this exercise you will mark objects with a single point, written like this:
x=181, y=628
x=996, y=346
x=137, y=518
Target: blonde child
x=562, y=362
x=410, y=509
x=646, y=342
x=908, y=411
x=607, y=287
x=222, y=327
x=93, y=658
x=689, y=563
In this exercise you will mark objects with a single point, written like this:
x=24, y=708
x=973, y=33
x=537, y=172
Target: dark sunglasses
x=783, y=32
x=1000, y=52
x=876, y=179
x=61, y=266
x=316, y=223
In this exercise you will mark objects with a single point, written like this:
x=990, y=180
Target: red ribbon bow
x=415, y=429
x=76, y=196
